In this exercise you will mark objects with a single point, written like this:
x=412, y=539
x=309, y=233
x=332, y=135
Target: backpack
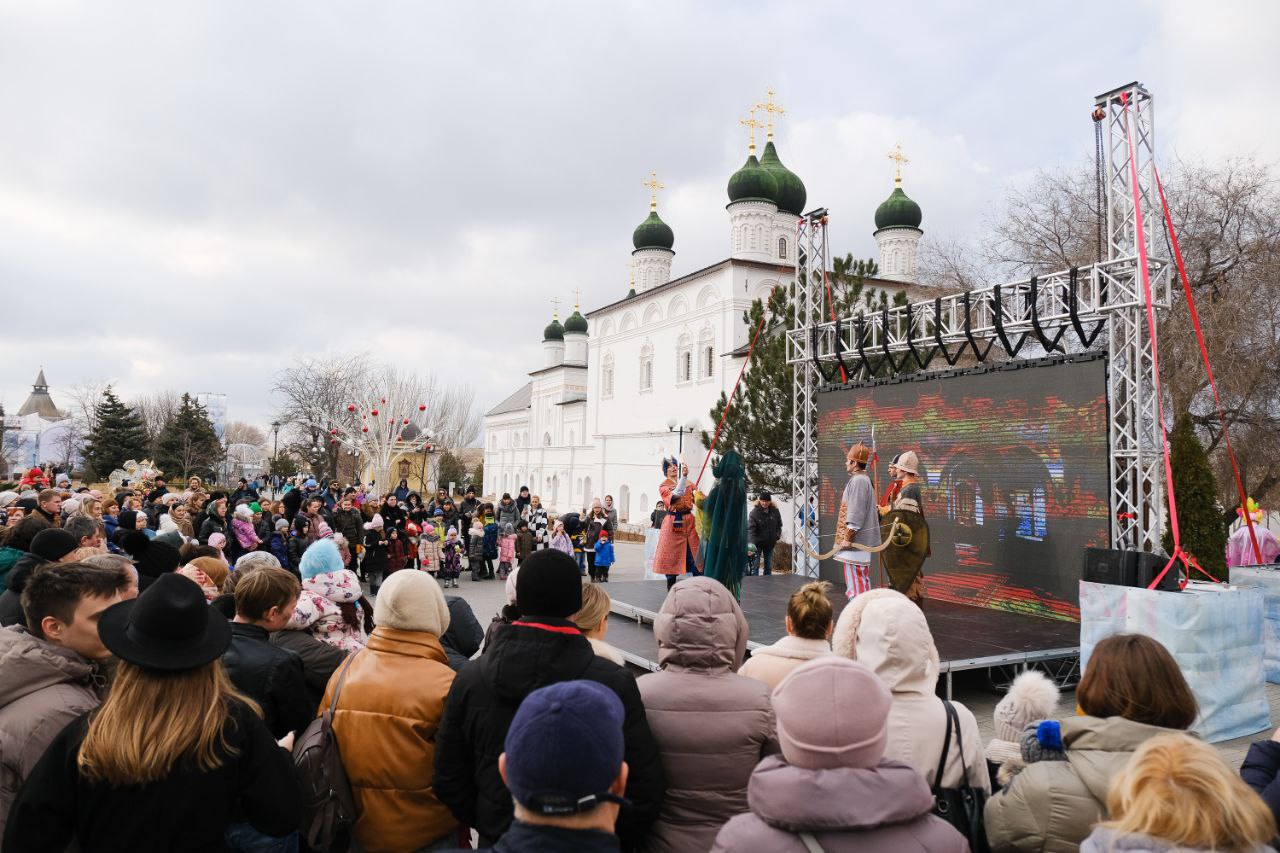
x=329, y=809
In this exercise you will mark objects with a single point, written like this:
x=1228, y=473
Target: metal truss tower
x=812, y=258
x=1137, y=476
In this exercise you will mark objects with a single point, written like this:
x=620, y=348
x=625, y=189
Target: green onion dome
x=752, y=181
x=653, y=233
x=898, y=211
x=553, y=332
x=576, y=323
x=791, y=194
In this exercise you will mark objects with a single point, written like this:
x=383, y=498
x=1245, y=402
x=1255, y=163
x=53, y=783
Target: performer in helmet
x=678, y=540
x=906, y=496
x=858, y=522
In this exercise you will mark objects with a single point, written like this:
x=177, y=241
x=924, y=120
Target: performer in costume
x=724, y=549
x=1240, y=546
x=859, y=522
x=678, y=542
x=905, y=496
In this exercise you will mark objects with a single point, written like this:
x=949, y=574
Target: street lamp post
x=275, y=447
x=690, y=427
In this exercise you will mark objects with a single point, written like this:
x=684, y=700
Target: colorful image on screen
x=1014, y=470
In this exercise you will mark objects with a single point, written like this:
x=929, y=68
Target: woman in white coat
x=884, y=630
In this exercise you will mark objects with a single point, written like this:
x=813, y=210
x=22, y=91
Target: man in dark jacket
x=764, y=529
x=348, y=521
x=541, y=648
x=51, y=545
x=270, y=675
x=467, y=509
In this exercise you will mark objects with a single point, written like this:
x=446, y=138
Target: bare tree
x=1227, y=217
x=239, y=432
x=156, y=409
x=84, y=398
x=315, y=392
x=951, y=265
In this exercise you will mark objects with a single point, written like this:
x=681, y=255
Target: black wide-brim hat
x=169, y=627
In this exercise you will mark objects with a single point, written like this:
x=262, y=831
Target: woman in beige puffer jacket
x=886, y=631
x=712, y=725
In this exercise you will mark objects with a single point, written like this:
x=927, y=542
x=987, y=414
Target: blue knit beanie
x=322, y=557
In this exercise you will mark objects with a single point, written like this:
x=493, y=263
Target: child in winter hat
x=1032, y=697
x=329, y=604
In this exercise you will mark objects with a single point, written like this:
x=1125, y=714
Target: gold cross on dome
x=577, y=300
x=654, y=185
x=899, y=159
x=751, y=123
x=555, y=308
x=772, y=109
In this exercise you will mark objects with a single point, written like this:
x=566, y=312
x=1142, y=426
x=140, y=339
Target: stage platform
x=966, y=637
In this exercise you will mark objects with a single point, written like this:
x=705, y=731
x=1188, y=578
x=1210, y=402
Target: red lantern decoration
x=333, y=432
x=422, y=407
x=351, y=407
x=406, y=420
x=333, y=441
x=366, y=429
x=374, y=413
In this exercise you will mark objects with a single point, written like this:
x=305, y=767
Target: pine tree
x=119, y=435
x=1201, y=530
x=449, y=469
x=187, y=444
x=758, y=425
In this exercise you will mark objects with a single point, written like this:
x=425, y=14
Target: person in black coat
x=320, y=660
x=268, y=674
x=764, y=529
x=543, y=648
x=464, y=636
x=1261, y=771
x=159, y=801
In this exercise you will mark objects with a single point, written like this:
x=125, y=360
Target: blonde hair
x=89, y=505
x=152, y=721
x=1178, y=789
x=810, y=611
x=595, y=607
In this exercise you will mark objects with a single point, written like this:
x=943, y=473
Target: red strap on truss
x=1139, y=229
x=764, y=315
x=1204, y=356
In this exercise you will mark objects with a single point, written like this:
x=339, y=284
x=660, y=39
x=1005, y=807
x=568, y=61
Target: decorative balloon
x=351, y=407
x=374, y=413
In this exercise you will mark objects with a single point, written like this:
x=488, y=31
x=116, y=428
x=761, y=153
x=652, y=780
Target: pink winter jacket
x=866, y=809
x=245, y=534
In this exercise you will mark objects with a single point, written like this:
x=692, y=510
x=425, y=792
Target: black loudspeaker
x=1128, y=568
x=1107, y=565
x=1147, y=566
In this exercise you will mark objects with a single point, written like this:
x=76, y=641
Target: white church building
x=594, y=419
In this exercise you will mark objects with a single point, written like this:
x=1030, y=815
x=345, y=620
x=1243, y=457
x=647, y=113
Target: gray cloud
x=190, y=194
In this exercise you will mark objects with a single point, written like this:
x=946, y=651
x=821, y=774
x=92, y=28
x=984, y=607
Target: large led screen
x=1014, y=473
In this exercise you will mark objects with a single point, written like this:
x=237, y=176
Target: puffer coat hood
x=700, y=627
x=893, y=640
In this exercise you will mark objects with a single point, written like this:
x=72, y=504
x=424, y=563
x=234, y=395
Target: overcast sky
x=191, y=194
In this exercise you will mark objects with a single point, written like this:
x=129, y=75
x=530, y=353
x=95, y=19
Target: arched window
x=782, y=248
x=706, y=354
x=606, y=377
x=546, y=439
x=684, y=359
x=646, y=367
x=708, y=362
x=493, y=442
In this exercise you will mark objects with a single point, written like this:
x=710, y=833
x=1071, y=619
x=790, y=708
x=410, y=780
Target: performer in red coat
x=678, y=540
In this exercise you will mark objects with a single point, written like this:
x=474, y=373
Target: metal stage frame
x=1064, y=312
x=637, y=602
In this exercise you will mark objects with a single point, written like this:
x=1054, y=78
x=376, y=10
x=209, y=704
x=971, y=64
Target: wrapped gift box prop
x=1213, y=631
x=1267, y=579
